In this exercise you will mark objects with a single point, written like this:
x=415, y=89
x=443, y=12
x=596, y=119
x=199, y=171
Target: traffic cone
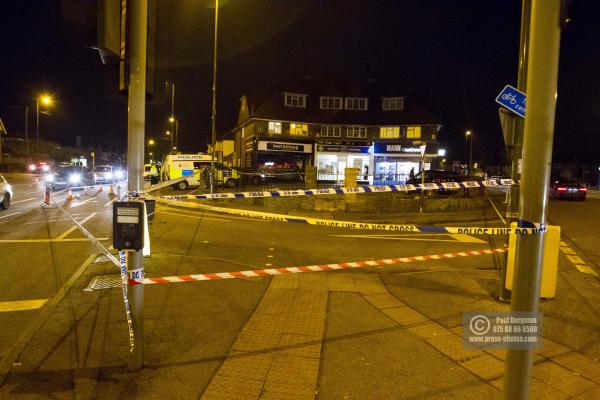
x=110, y=190
x=46, y=201
x=69, y=195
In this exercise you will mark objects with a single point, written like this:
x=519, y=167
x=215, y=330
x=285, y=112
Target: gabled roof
x=273, y=106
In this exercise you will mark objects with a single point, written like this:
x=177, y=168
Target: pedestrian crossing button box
x=128, y=225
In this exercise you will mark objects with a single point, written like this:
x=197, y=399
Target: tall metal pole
x=517, y=135
x=214, y=100
x=27, y=133
x=138, y=14
x=538, y=135
x=172, y=119
x=471, y=154
x=37, y=125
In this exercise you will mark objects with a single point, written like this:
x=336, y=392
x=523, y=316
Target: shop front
x=333, y=159
x=396, y=163
x=283, y=158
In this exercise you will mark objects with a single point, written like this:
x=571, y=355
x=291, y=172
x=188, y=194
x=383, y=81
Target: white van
x=191, y=166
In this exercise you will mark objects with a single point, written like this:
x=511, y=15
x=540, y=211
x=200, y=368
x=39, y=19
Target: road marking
x=456, y=237
x=21, y=305
x=110, y=202
x=81, y=203
x=71, y=229
x=575, y=259
x=5, y=241
x=22, y=201
x=10, y=215
x=193, y=216
x=586, y=270
x=568, y=250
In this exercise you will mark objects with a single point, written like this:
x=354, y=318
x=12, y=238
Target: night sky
x=455, y=55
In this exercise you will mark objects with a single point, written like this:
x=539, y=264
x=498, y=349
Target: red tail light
x=583, y=189
x=561, y=189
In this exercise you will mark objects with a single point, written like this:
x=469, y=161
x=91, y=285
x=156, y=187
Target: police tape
x=525, y=229
x=124, y=283
x=89, y=236
x=309, y=268
x=360, y=189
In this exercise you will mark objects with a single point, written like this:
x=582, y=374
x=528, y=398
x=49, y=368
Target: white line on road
x=456, y=237
x=78, y=204
x=22, y=201
x=10, y=215
x=193, y=216
x=21, y=305
x=2, y=241
x=71, y=229
x=110, y=202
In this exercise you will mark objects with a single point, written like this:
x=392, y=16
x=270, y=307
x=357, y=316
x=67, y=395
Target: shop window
x=389, y=132
x=295, y=100
x=356, y=131
x=356, y=103
x=333, y=131
x=392, y=103
x=331, y=103
x=274, y=127
x=413, y=132
x=298, y=129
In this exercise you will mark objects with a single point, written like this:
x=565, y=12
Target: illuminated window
x=295, y=100
x=413, y=132
x=356, y=131
x=274, y=127
x=331, y=131
x=356, y=103
x=298, y=129
x=392, y=103
x=389, y=132
x=331, y=103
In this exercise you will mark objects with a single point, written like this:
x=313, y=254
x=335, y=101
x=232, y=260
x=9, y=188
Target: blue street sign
x=513, y=99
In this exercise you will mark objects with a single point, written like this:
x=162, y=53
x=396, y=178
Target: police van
x=196, y=169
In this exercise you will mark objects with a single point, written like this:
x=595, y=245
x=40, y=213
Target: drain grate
x=103, y=282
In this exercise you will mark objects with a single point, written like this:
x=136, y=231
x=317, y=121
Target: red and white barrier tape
x=309, y=268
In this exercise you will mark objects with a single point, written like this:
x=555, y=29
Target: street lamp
x=150, y=142
x=46, y=100
x=469, y=142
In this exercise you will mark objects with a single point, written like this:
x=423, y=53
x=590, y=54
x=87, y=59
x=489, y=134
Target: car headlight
x=74, y=178
x=263, y=176
x=108, y=175
x=49, y=178
x=32, y=167
x=119, y=174
x=45, y=168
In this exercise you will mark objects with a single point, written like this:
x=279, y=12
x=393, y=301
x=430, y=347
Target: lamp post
x=469, y=142
x=214, y=101
x=46, y=100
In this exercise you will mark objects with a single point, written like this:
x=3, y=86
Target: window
x=356, y=103
x=298, y=129
x=331, y=131
x=274, y=127
x=295, y=100
x=413, y=132
x=333, y=103
x=356, y=131
x=389, y=132
x=392, y=103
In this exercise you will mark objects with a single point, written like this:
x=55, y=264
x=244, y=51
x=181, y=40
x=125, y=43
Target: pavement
x=377, y=332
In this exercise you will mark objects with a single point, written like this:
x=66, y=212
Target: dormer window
x=331, y=103
x=295, y=100
x=356, y=103
x=392, y=103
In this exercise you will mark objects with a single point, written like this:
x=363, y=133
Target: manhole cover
x=104, y=282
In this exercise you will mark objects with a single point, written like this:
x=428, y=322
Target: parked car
x=6, y=193
x=70, y=176
x=250, y=176
x=568, y=189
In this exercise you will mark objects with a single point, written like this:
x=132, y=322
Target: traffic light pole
x=542, y=73
x=138, y=14
x=516, y=137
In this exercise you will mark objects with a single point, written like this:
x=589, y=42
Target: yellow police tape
x=355, y=225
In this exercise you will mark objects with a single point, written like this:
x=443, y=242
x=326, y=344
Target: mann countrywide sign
x=380, y=148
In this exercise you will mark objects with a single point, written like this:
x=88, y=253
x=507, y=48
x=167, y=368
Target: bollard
x=46, y=201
